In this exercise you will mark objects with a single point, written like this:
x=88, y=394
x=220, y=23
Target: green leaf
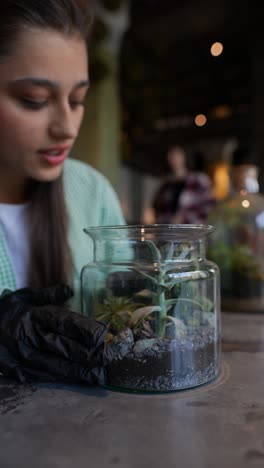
x=151, y=278
x=170, y=303
x=154, y=250
x=191, y=301
x=167, y=251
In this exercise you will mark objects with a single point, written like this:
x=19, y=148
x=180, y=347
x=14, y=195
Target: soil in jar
x=163, y=364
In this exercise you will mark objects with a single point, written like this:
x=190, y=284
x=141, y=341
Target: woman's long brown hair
x=50, y=256
x=50, y=261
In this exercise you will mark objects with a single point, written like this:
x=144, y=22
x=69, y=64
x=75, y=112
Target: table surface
x=220, y=424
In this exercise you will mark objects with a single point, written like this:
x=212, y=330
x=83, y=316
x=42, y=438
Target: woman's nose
x=65, y=124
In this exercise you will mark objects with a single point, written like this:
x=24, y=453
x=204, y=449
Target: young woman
x=46, y=198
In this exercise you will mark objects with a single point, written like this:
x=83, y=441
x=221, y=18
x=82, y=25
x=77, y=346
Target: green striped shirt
x=90, y=201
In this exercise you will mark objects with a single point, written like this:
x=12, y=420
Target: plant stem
x=161, y=322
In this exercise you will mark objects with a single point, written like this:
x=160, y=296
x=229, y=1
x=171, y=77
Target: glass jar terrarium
x=237, y=243
x=159, y=297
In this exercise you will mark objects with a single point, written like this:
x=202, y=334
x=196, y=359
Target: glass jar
x=237, y=244
x=159, y=297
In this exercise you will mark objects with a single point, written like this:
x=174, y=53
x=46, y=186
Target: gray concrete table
x=213, y=426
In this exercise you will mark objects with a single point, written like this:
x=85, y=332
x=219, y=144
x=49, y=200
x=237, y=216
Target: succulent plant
x=174, y=298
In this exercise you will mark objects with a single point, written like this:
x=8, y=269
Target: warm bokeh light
x=200, y=120
x=221, y=179
x=217, y=49
x=222, y=112
x=245, y=203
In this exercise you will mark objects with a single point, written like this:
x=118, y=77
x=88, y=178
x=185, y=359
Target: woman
x=46, y=198
x=186, y=197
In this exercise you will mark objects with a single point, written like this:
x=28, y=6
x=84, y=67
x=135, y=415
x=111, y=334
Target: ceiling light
x=200, y=120
x=217, y=49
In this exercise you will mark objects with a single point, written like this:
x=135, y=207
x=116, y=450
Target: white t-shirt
x=14, y=226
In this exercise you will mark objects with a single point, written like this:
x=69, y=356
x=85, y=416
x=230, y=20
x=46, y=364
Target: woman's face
x=177, y=161
x=43, y=83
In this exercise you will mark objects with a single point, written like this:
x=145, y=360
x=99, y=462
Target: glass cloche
x=237, y=244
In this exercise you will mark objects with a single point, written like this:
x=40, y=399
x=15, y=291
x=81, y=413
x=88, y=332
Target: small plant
x=117, y=312
x=174, y=298
x=240, y=259
x=236, y=246
x=168, y=287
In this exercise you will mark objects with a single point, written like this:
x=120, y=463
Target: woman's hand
x=41, y=340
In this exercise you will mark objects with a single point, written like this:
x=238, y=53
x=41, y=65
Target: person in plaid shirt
x=186, y=197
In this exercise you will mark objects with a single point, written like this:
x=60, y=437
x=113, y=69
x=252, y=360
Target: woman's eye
x=75, y=104
x=33, y=104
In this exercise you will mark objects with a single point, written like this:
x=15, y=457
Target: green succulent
x=174, y=290
x=173, y=298
x=116, y=311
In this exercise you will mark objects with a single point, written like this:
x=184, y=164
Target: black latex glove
x=41, y=340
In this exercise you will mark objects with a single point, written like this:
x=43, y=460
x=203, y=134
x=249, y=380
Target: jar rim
x=177, y=231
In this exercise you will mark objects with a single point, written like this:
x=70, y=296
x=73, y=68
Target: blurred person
x=186, y=195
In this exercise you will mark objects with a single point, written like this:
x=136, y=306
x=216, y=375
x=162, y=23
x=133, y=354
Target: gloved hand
x=41, y=340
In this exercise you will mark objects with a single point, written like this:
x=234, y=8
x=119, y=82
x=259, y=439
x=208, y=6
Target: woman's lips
x=54, y=156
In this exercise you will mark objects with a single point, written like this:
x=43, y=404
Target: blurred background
x=171, y=72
